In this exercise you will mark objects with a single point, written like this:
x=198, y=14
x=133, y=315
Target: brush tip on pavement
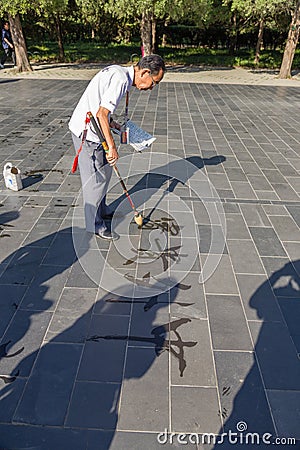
x=138, y=219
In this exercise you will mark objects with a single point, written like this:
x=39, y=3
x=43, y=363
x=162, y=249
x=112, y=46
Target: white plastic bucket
x=12, y=177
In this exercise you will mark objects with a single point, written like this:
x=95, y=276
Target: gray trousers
x=95, y=175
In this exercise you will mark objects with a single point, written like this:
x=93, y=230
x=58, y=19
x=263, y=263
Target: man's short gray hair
x=152, y=62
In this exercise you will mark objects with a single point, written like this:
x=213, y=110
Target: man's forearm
x=112, y=154
x=102, y=116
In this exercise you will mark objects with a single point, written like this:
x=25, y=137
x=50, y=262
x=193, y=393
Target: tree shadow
x=7, y=81
x=184, y=68
x=264, y=392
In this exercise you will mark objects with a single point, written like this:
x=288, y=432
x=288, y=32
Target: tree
x=292, y=41
x=53, y=10
x=148, y=11
x=13, y=9
x=259, y=11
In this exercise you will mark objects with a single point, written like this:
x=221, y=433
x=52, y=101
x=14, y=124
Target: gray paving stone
x=274, y=264
x=227, y=322
x=107, y=338
x=23, y=266
x=27, y=218
x=274, y=176
x=276, y=354
x=79, y=277
x=236, y=227
x=186, y=414
x=235, y=174
x=148, y=314
x=20, y=341
x=285, y=409
x=11, y=396
x=189, y=298
x=243, y=190
x=285, y=192
x=45, y=289
x=193, y=372
x=61, y=252
x=47, y=393
x=231, y=208
x=255, y=216
x=286, y=228
x=290, y=309
x=222, y=280
x=212, y=239
x=72, y=329
x=84, y=408
x=244, y=257
x=258, y=298
x=112, y=304
x=250, y=168
x=11, y=244
x=44, y=438
x=295, y=213
x=138, y=410
x=10, y=299
x=267, y=242
x=123, y=440
x=292, y=249
x=242, y=393
x=275, y=210
x=267, y=195
x=259, y=183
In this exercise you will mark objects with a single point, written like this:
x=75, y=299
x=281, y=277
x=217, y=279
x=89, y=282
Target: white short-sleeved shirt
x=106, y=89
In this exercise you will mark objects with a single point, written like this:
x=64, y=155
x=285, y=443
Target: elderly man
x=101, y=98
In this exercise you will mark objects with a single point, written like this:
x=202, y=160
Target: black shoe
x=107, y=235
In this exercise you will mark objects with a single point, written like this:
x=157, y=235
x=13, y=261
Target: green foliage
x=84, y=52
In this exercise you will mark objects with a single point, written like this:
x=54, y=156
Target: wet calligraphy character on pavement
x=160, y=341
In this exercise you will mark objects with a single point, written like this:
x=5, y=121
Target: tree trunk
x=164, y=38
x=259, y=40
x=22, y=61
x=154, y=46
x=234, y=35
x=61, y=56
x=146, y=32
x=292, y=41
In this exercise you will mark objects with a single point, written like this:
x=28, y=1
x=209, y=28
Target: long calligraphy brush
x=138, y=218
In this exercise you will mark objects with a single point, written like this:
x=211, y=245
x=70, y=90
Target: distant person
x=8, y=45
x=101, y=98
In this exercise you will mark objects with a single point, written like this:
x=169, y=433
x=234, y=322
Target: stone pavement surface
x=84, y=368
x=175, y=73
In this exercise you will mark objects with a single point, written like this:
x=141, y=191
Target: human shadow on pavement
x=178, y=172
x=62, y=384
x=252, y=385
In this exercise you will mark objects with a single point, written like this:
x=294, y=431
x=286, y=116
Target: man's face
x=144, y=80
x=6, y=26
